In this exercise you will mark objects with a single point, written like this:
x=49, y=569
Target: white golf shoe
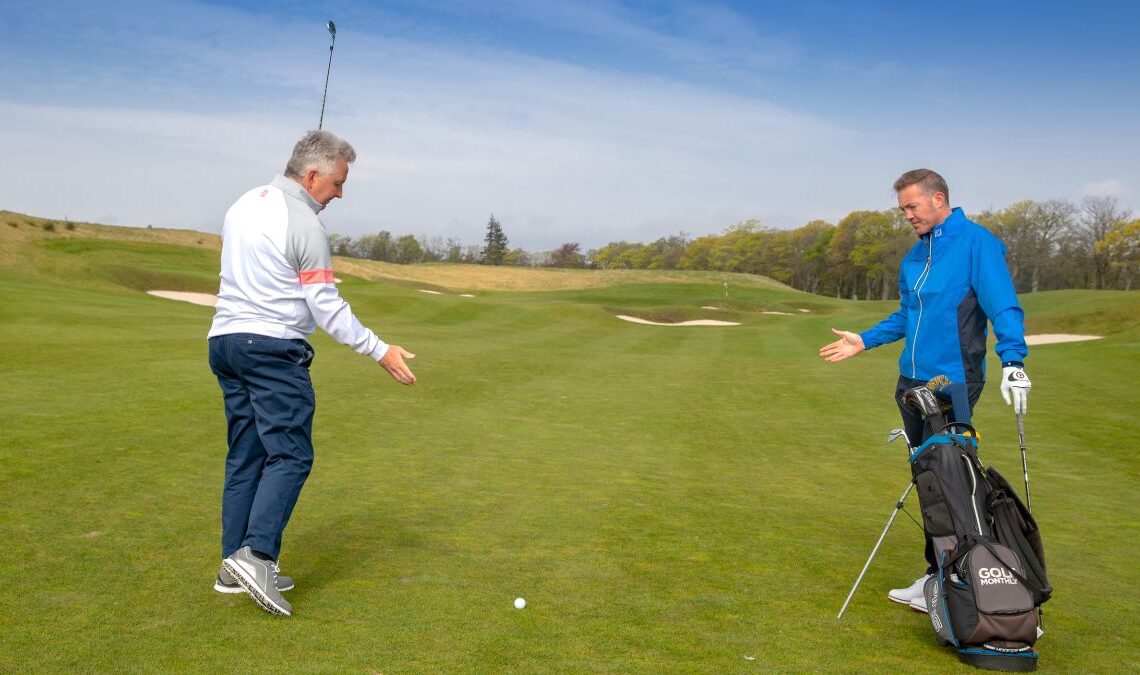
x=919, y=604
x=905, y=596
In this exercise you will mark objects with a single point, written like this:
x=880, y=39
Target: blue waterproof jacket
x=953, y=279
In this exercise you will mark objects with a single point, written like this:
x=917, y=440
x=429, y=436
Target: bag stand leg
x=898, y=507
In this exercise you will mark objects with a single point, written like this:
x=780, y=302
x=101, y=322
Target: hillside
x=24, y=237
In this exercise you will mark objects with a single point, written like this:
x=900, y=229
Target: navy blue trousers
x=917, y=431
x=269, y=403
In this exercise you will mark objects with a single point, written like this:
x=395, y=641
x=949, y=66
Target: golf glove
x=1015, y=386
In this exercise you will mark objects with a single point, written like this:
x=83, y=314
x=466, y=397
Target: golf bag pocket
x=951, y=491
x=936, y=518
x=986, y=597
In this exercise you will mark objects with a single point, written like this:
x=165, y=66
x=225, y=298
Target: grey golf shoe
x=225, y=583
x=259, y=579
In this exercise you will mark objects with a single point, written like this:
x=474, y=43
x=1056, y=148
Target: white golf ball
x=520, y=603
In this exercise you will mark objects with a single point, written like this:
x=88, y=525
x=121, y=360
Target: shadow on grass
x=348, y=547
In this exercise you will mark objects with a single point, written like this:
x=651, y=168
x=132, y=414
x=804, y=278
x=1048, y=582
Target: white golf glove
x=1015, y=386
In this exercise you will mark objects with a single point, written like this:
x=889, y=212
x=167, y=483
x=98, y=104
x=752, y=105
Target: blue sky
x=588, y=121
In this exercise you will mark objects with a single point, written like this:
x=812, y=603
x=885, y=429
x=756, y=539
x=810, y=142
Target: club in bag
x=332, y=31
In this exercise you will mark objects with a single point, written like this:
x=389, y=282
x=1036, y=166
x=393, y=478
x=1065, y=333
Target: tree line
x=1051, y=245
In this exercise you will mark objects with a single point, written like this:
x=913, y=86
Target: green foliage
x=377, y=246
x=495, y=244
x=568, y=255
x=1051, y=245
x=1121, y=248
x=516, y=257
x=408, y=250
x=616, y=255
x=1035, y=234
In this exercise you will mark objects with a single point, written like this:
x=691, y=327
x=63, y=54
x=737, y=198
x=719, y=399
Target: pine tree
x=495, y=247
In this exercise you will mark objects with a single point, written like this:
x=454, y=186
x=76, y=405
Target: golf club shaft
x=898, y=507
x=1024, y=461
x=328, y=71
x=1028, y=497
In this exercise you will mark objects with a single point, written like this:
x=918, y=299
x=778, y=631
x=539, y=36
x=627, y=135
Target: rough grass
x=667, y=499
x=435, y=276
x=492, y=278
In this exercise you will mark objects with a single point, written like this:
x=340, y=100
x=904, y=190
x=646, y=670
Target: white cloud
x=589, y=154
x=1106, y=188
x=446, y=137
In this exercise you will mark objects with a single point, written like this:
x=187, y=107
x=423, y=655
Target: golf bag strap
x=950, y=429
x=1013, y=538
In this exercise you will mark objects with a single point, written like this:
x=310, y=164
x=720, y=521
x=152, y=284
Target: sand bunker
x=1054, y=338
x=466, y=295
x=779, y=313
x=424, y=290
x=698, y=322
x=205, y=299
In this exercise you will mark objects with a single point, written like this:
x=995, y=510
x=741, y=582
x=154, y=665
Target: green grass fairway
x=666, y=499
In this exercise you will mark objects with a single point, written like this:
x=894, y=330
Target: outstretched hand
x=393, y=362
x=849, y=344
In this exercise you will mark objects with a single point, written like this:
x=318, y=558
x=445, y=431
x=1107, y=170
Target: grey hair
x=318, y=150
x=928, y=180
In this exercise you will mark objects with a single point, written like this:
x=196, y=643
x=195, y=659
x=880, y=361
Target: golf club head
x=897, y=434
x=332, y=28
x=923, y=400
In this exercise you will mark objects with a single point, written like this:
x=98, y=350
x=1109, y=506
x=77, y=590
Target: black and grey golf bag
x=991, y=574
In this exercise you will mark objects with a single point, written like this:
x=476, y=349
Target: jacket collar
x=295, y=190
x=951, y=224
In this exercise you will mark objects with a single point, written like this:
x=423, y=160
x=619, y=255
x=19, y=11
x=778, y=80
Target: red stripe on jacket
x=316, y=277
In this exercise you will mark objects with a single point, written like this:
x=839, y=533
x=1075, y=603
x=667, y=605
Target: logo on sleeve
x=263, y=193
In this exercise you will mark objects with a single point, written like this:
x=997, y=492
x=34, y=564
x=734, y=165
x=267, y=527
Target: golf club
x=1028, y=501
x=332, y=31
x=1024, y=462
x=892, y=437
x=897, y=434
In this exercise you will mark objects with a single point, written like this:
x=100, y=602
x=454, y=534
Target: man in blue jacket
x=951, y=283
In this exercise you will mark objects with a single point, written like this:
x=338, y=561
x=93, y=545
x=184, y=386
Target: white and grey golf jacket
x=277, y=277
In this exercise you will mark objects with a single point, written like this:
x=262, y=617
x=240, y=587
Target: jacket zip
x=918, y=284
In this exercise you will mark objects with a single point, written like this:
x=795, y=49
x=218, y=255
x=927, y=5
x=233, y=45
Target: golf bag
x=983, y=598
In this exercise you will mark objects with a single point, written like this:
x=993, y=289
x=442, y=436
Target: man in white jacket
x=276, y=287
